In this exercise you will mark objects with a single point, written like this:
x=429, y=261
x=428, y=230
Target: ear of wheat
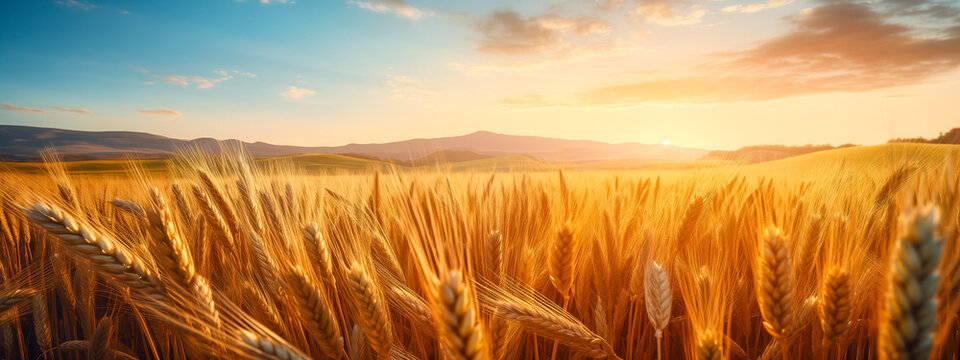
x=264, y=347
x=567, y=331
x=561, y=261
x=910, y=309
x=12, y=297
x=775, y=284
x=101, y=251
x=709, y=346
x=835, y=303
x=373, y=317
x=316, y=312
x=41, y=322
x=461, y=330
x=657, y=296
x=319, y=254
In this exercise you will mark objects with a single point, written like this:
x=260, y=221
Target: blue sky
x=333, y=72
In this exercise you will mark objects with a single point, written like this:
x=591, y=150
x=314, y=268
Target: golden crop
x=222, y=258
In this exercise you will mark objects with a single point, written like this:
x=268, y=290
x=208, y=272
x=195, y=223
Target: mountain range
x=25, y=143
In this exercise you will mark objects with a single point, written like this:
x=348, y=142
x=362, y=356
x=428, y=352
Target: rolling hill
x=24, y=143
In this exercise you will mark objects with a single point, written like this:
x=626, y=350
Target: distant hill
x=950, y=137
x=764, y=153
x=24, y=143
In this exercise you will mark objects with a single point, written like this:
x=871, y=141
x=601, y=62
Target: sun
x=665, y=143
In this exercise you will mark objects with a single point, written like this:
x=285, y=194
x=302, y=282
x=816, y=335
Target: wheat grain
x=835, y=303
x=775, y=284
x=567, y=331
x=316, y=312
x=561, y=261
x=373, y=316
x=461, y=330
x=657, y=297
x=267, y=348
x=910, y=309
x=101, y=251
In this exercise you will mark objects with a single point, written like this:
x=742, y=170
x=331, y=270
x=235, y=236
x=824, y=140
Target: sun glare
x=665, y=143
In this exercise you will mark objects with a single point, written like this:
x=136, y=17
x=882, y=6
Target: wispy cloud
x=138, y=68
x=203, y=82
x=294, y=92
x=666, y=14
x=9, y=107
x=80, y=4
x=752, y=8
x=161, y=112
x=399, y=7
x=402, y=86
x=72, y=110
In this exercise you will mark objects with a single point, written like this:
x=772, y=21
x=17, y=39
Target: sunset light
x=480, y=180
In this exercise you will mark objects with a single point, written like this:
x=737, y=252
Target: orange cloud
x=9, y=107
x=161, y=112
x=72, y=110
x=836, y=47
x=666, y=14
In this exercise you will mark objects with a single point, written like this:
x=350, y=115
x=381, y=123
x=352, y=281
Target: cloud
x=9, y=107
x=138, y=68
x=399, y=7
x=72, y=110
x=509, y=32
x=835, y=47
x=161, y=112
x=666, y=14
x=402, y=86
x=80, y=4
x=203, y=82
x=752, y=8
x=569, y=54
x=294, y=92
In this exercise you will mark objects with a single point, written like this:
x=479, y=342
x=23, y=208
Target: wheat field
x=219, y=257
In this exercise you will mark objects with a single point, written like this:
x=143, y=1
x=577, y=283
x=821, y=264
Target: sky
x=717, y=74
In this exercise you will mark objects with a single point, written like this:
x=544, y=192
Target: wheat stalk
x=560, y=261
x=103, y=252
x=709, y=346
x=573, y=334
x=216, y=194
x=319, y=254
x=909, y=315
x=173, y=254
x=493, y=253
x=10, y=298
x=410, y=304
x=129, y=207
x=213, y=216
x=41, y=321
x=267, y=348
x=373, y=315
x=835, y=303
x=775, y=284
x=657, y=296
x=316, y=312
x=460, y=326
